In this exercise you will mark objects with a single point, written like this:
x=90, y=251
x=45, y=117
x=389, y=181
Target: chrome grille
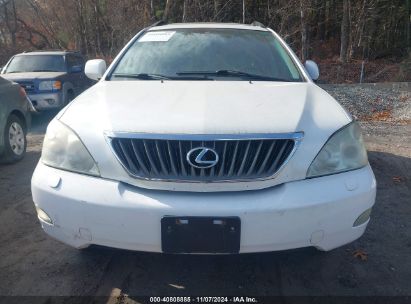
x=165, y=158
x=28, y=86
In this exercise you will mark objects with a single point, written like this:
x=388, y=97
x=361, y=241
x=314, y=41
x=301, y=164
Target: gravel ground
x=368, y=103
x=31, y=263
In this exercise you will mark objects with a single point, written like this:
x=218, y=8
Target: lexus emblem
x=202, y=158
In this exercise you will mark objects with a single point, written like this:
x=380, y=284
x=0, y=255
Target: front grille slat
x=183, y=162
x=233, y=159
x=277, y=158
x=127, y=156
x=193, y=170
x=255, y=159
x=239, y=159
x=161, y=157
x=267, y=156
x=223, y=160
x=28, y=86
x=150, y=158
x=139, y=158
x=244, y=161
x=212, y=170
x=172, y=160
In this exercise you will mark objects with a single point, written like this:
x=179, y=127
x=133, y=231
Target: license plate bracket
x=198, y=234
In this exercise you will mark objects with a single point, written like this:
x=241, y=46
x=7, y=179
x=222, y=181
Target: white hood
x=32, y=75
x=204, y=107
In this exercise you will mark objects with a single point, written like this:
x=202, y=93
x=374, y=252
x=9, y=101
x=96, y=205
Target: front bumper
x=46, y=101
x=317, y=212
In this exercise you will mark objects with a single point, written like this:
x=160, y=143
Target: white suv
x=204, y=138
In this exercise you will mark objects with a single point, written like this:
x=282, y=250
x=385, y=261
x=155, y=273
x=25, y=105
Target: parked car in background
x=15, y=120
x=51, y=78
x=204, y=138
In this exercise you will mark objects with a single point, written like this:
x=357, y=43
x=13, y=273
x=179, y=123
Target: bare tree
x=166, y=15
x=362, y=28
x=408, y=24
x=304, y=30
x=243, y=11
x=345, y=34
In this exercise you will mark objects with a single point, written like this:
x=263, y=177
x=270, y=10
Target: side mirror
x=76, y=69
x=95, y=69
x=312, y=69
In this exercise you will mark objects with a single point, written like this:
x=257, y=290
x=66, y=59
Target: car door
x=83, y=79
x=6, y=91
x=73, y=76
x=8, y=101
x=75, y=65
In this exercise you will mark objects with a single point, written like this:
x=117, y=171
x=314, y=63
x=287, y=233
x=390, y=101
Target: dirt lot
x=31, y=263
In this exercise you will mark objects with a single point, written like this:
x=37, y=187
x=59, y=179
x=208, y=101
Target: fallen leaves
x=383, y=115
x=333, y=71
x=360, y=254
x=398, y=179
x=403, y=97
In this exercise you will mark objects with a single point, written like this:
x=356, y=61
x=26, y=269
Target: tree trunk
x=184, y=10
x=321, y=20
x=14, y=31
x=152, y=12
x=217, y=7
x=408, y=25
x=97, y=28
x=345, y=34
x=11, y=24
x=82, y=29
x=243, y=11
x=304, y=31
x=167, y=9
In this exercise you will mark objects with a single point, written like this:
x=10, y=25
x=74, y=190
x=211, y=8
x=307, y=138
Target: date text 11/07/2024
x=239, y=299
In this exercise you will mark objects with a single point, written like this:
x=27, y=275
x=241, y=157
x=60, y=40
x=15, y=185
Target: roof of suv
x=62, y=53
x=209, y=25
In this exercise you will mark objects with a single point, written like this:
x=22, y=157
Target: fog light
x=362, y=218
x=42, y=215
x=51, y=101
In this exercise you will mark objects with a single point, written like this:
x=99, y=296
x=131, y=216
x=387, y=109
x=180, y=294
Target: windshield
x=205, y=54
x=36, y=63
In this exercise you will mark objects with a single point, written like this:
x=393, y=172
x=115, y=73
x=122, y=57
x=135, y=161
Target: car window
x=74, y=61
x=36, y=63
x=184, y=50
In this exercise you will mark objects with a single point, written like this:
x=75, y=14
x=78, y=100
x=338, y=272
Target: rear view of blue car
x=51, y=78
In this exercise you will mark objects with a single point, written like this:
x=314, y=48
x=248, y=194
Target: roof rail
x=53, y=50
x=257, y=23
x=158, y=23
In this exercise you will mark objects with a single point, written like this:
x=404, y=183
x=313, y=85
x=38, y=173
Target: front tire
x=15, y=142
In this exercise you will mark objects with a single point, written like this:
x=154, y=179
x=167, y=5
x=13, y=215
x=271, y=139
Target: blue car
x=51, y=78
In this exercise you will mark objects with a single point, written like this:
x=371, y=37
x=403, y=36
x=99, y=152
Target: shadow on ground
x=31, y=263
x=40, y=121
x=386, y=243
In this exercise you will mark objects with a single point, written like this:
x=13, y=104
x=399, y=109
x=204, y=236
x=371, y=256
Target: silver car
x=15, y=120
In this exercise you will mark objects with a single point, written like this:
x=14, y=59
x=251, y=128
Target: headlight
x=63, y=149
x=50, y=85
x=344, y=151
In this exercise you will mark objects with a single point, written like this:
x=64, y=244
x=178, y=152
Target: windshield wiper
x=143, y=76
x=232, y=73
x=146, y=76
